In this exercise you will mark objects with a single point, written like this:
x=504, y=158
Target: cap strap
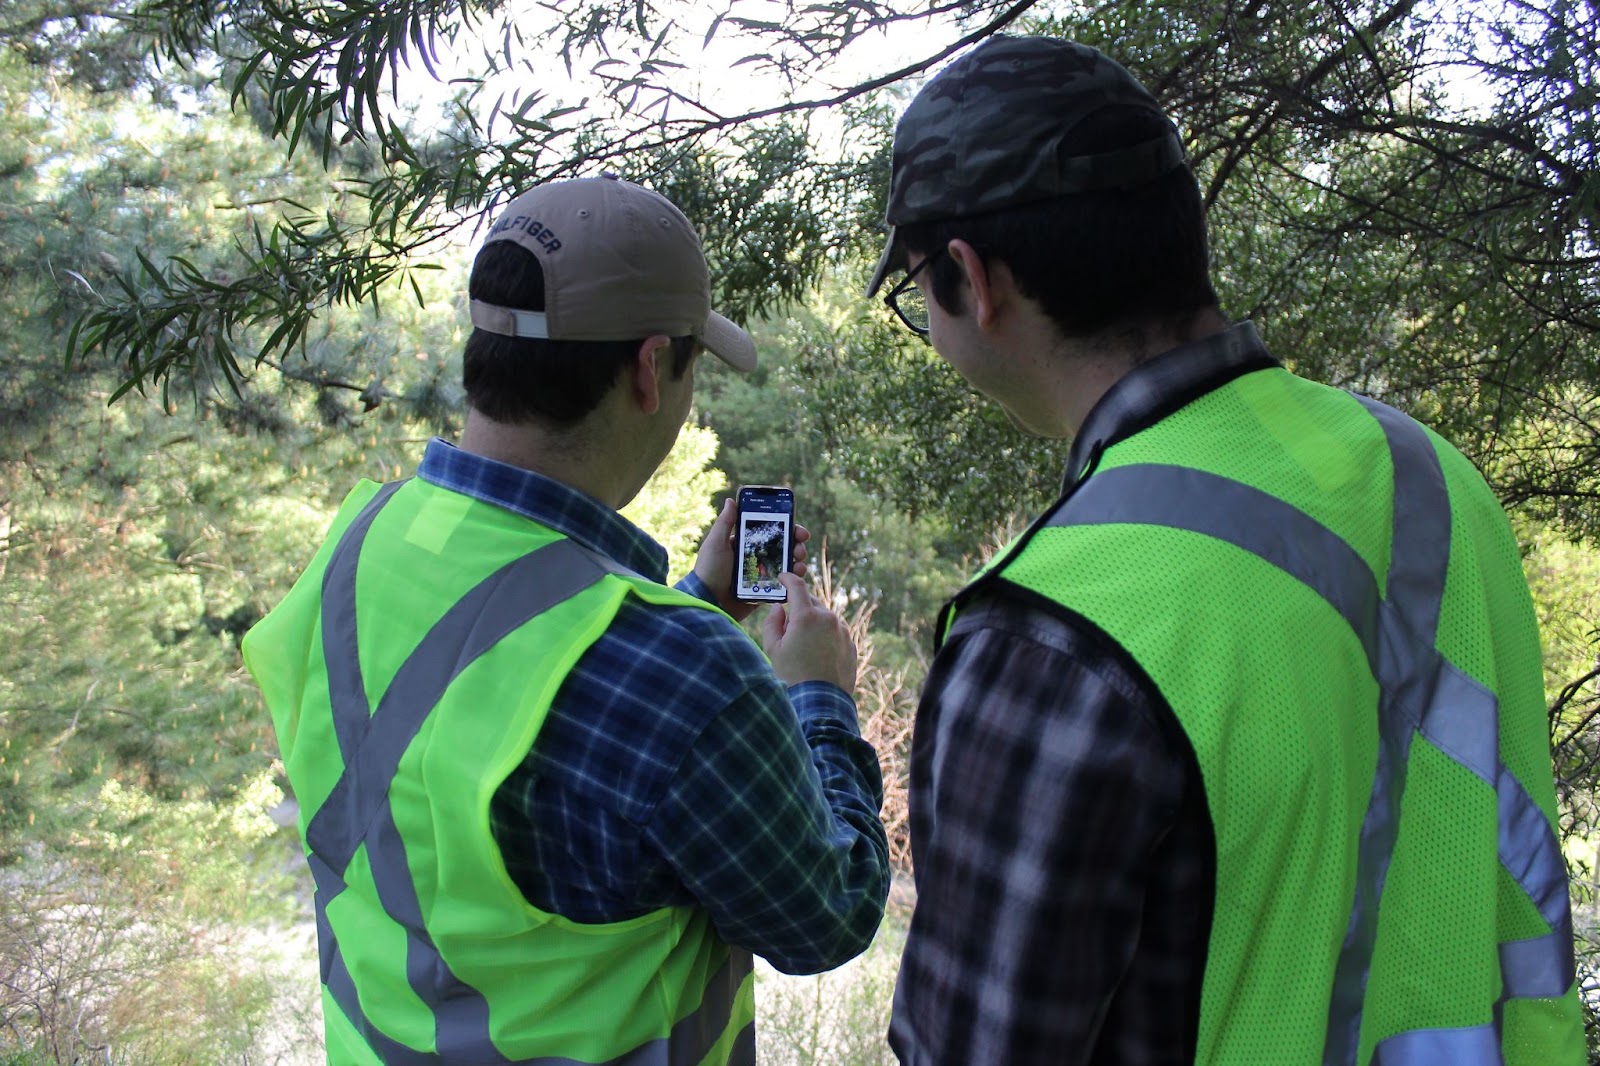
x=508, y=321
x=1125, y=166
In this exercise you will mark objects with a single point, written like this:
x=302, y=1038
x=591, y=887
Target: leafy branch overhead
x=1404, y=192
x=331, y=82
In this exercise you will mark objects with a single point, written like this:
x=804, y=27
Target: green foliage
x=772, y=209
x=891, y=529
x=939, y=448
x=133, y=613
x=329, y=82
x=674, y=506
x=137, y=542
x=1564, y=576
x=86, y=44
x=121, y=944
x=1402, y=199
x=1387, y=233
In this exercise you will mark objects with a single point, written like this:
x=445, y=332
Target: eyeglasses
x=907, y=301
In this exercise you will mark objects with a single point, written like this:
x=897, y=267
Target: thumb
x=723, y=525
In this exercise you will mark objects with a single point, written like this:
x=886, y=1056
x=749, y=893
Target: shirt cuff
x=815, y=700
x=691, y=584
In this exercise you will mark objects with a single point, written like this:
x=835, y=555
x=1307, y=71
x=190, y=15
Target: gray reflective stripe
x=1420, y=541
x=693, y=1035
x=1539, y=967
x=1411, y=677
x=610, y=565
x=1542, y=966
x=1420, y=693
x=339, y=649
x=336, y=976
x=1178, y=497
x=1461, y=718
x=1529, y=850
x=1441, y=1047
x=1380, y=827
x=460, y=1013
x=357, y=810
x=496, y=607
x=1419, y=690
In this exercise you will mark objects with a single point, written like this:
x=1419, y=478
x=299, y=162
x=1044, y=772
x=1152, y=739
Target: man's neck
x=1097, y=363
x=565, y=456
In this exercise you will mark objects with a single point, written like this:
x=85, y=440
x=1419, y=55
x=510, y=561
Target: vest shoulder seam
x=1159, y=711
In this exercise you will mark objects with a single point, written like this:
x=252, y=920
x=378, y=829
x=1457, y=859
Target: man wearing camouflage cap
x=1237, y=754
x=551, y=804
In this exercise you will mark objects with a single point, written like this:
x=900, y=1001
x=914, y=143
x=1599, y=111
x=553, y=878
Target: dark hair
x=1116, y=258
x=522, y=379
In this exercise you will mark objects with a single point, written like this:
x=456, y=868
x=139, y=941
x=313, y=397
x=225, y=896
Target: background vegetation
x=231, y=259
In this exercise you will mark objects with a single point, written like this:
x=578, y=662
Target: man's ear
x=645, y=372
x=990, y=288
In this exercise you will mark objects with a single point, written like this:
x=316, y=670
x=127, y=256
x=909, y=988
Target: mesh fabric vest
x=408, y=673
x=1332, y=602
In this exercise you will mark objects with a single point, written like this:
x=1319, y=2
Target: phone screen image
x=766, y=516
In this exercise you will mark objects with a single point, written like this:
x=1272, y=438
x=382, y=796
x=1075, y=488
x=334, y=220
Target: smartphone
x=765, y=543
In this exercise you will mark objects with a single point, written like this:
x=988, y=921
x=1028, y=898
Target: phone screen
x=766, y=539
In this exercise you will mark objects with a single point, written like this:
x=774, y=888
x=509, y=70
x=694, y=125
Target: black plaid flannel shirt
x=1063, y=851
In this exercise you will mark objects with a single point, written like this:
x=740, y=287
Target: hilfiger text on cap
x=533, y=227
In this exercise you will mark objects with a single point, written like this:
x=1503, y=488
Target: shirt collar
x=547, y=502
x=1156, y=388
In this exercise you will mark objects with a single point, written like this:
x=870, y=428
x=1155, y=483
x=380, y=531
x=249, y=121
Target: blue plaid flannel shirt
x=674, y=768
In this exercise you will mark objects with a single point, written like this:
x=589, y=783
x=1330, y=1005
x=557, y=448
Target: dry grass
x=887, y=703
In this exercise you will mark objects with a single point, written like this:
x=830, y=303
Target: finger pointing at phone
x=808, y=642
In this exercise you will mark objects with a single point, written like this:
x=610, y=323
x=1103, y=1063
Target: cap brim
x=886, y=263
x=729, y=343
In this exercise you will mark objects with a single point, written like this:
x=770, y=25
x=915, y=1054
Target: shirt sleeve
x=1044, y=783
x=691, y=584
x=772, y=822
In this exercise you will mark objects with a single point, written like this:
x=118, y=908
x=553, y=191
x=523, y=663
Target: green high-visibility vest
x=408, y=673
x=1332, y=602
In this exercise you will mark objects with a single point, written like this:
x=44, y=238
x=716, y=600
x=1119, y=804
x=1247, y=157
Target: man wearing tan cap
x=552, y=805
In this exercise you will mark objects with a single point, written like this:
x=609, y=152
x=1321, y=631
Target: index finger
x=799, y=592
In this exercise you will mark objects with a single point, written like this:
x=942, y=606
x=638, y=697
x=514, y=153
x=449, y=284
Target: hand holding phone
x=763, y=543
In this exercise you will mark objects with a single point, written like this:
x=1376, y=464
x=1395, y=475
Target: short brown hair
x=519, y=379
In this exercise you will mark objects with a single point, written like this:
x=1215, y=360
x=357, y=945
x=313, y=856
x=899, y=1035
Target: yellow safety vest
x=1332, y=602
x=408, y=673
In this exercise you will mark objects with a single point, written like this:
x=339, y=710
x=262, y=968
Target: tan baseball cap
x=620, y=263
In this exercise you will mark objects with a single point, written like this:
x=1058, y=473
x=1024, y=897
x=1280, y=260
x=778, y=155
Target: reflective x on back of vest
x=1118, y=551
x=356, y=824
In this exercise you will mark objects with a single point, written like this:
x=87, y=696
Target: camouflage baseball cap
x=987, y=133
